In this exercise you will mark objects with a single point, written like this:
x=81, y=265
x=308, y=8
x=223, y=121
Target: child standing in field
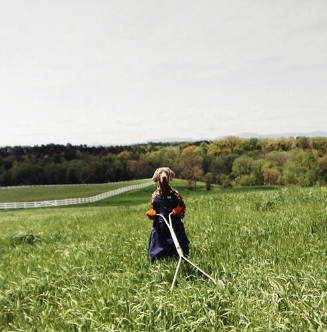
x=164, y=201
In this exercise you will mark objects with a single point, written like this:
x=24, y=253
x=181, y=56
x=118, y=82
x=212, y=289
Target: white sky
x=129, y=71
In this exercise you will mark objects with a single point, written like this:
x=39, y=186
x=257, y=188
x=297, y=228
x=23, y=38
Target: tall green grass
x=86, y=268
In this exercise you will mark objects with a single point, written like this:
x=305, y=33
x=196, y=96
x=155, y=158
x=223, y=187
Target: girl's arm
x=180, y=204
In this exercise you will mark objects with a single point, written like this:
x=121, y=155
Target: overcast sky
x=126, y=71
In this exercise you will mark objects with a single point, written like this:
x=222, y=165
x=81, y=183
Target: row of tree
x=231, y=161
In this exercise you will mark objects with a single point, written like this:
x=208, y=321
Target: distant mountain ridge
x=242, y=135
x=296, y=134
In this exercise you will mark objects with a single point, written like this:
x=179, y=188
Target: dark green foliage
x=25, y=238
x=232, y=161
x=209, y=180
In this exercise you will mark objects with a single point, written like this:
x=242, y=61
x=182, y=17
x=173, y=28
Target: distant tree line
x=231, y=161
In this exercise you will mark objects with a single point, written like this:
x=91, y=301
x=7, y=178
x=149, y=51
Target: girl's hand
x=177, y=211
x=151, y=214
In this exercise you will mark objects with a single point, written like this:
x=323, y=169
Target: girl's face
x=164, y=177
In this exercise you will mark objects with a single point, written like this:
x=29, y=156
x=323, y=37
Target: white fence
x=72, y=201
x=64, y=185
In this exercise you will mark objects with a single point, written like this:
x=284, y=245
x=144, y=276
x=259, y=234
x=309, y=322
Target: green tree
x=5, y=177
x=54, y=173
x=27, y=174
x=242, y=165
x=192, y=170
x=323, y=170
x=302, y=142
x=247, y=180
x=271, y=176
x=257, y=168
x=320, y=144
x=224, y=181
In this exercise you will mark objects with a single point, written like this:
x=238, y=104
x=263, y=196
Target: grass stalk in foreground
x=86, y=268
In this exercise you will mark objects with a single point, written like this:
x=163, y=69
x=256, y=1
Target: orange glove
x=151, y=214
x=177, y=211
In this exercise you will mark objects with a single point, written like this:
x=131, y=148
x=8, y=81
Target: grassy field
x=41, y=193
x=86, y=268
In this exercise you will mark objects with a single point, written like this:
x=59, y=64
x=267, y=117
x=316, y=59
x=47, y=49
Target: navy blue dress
x=161, y=243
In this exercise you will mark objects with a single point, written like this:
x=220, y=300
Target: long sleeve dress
x=161, y=243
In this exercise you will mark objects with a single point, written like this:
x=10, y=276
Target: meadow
x=40, y=193
x=85, y=268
